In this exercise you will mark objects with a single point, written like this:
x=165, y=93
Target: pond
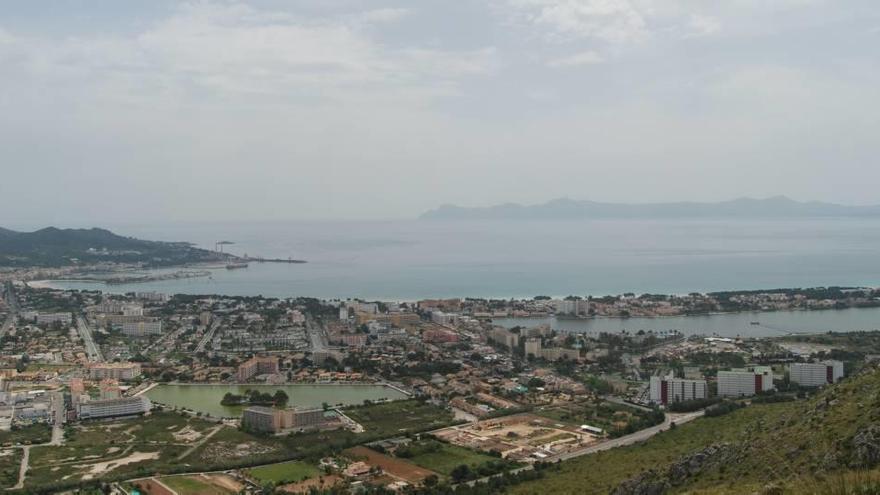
x=206, y=398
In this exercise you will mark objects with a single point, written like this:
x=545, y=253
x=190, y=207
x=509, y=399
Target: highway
x=85, y=331
x=12, y=305
x=209, y=334
x=315, y=336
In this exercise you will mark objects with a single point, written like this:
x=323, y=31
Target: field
x=38, y=433
x=97, y=450
x=442, y=457
x=285, y=472
x=169, y=442
x=231, y=448
x=521, y=437
x=10, y=460
x=615, y=419
x=394, y=418
x=195, y=485
x=396, y=468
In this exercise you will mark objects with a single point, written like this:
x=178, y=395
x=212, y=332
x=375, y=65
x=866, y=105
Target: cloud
x=606, y=20
x=702, y=25
x=235, y=48
x=578, y=59
x=385, y=15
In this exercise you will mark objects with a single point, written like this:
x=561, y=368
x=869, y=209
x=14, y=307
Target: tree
x=280, y=398
x=460, y=473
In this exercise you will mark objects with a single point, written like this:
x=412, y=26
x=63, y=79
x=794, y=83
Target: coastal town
x=153, y=393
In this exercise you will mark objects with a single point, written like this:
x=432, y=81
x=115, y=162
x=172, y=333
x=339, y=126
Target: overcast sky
x=151, y=111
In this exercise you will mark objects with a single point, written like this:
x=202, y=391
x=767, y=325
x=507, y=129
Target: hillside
x=52, y=247
x=559, y=209
x=816, y=445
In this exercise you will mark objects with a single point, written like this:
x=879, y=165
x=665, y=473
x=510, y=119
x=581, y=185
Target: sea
x=413, y=259
x=408, y=260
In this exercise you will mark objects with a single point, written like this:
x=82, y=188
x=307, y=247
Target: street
x=85, y=331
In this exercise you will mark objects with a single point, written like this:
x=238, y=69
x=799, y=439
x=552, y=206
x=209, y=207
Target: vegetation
x=27, y=435
x=785, y=445
x=285, y=472
x=445, y=458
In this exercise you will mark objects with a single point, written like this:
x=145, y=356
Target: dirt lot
x=520, y=437
x=395, y=467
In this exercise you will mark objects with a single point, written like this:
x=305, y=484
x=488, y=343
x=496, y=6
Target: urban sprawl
x=95, y=388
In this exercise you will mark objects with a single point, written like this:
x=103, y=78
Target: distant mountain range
x=53, y=247
x=564, y=208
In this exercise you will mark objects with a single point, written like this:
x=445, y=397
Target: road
x=209, y=334
x=22, y=470
x=639, y=436
x=315, y=336
x=57, y=408
x=12, y=304
x=633, y=438
x=85, y=331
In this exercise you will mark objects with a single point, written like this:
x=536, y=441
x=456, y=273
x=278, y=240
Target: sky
x=159, y=111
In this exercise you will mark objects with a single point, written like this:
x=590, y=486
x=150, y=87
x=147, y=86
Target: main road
x=12, y=305
x=85, y=331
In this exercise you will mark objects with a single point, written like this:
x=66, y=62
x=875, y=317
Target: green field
x=10, y=460
x=442, y=457
x=33, y=434
x=285, y=472
x=393, y=418
x=191, y=485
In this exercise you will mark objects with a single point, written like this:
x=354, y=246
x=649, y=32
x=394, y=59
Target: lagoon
x=745, y=324
x=206, y=398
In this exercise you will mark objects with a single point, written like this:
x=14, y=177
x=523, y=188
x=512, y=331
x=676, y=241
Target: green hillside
x=52, y=247
x=829, y=443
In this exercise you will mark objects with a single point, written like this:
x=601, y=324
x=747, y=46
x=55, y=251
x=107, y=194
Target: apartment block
x=815, y=374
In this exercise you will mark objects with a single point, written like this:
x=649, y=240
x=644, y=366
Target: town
x=153, y=393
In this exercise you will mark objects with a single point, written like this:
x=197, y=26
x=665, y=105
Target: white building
x=743, y=383
x=668, y=389
x=533, y=347
x=572, y=307
x=49, y=318
x=441, y=318
x=127, y=406
x=117, y=371
x=815, y=374
x=142, y=328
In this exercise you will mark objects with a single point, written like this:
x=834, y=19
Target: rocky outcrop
x=652, y=482
x=866, y=447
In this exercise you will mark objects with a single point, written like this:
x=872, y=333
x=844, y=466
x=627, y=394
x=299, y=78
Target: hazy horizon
x=161, y=111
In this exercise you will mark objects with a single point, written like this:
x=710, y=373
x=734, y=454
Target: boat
x=755, y=323
x=236, y=265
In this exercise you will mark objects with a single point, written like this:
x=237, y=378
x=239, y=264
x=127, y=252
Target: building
x=439, y=336
x=572, y=307
x=560, y=353
x=533, y=348
x=266, y=365
x=271, y=420
x=116, y=371
x=110, y=408
x=50, y=318
x=744, y=382
x=815, y=374
x=205, y=318
x=505, y=337
x=667, y=390
x=142, y=328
